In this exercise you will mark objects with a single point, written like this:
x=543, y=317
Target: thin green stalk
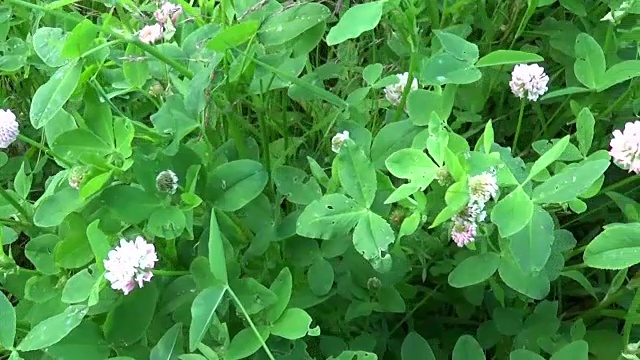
x=595, y=312
x=515, y=139
x=146, y=47
x=407, y=87
x=628, y=324
x=410, y=313
x=622, y=98
x=5, y=195
x=251, y=324
x=44, y=149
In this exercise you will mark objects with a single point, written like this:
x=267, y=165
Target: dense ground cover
x=399, y=179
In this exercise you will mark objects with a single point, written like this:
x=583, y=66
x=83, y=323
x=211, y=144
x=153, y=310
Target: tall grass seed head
x=338, y=140
x=167, y=181
x=9, y=128
x=393, y=92
x=529, y=81
x=625, y=147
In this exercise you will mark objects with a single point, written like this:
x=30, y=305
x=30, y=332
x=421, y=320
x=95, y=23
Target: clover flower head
x=338, y=140
x=129, y=264
x=483, y=187
x=168, y=12
x=443, y=176
x=625, y=147
x=8, y=128
x=463, y=231
x=393, y=92
x=151, y=33
x=167, y=181
x=529, y=81
x=76, y=176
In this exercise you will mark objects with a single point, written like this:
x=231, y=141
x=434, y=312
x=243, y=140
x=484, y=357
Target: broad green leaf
x=412, y=164
x=474, y=270
x=512, y=213
x=85, y=342
x=254, y=296
x=629, y=207
x=282, y=286
x=292, y=325
x=582, y=280
x=246, y=343
x=331, y=217
x=135, y=66
x=99, y=243
x=53, y=329
x=590, y=63
x=372, y=236
x=175, y=120
x=80, y=39
x=577, y=350
x=570, y=183
x=217, y=261
x=584, y=130
x=53, y=209
x=415, y=347
x=524, y=354
x=203, y=310
x=423, y=106
x=548, y=157
x=290, y=23
x=458, y=47
x=296, y=185
x=531, y=246
x=320, y=277
x=39, y=251
x=80, y=144
x=7, y=322
x=233, y=185
x=391, y=138
x=233, y=36
x=140, y=305
x=467, y=348
x=355, y=21
x=533, y=285
x=575, y=6
x=120, y=197
x=356, y=173
x=488, y=137
x=620, y=72
x=566, y=91
x=78, y=287
x=372, y=72
x=166, y=348
x=616, y=247
x=508, y=57
x=445, y=68
x=48, y=43
x=52, y=95
x=167, y=222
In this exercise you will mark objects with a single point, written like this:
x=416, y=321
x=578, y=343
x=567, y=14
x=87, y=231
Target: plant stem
x=251, y=324
x=605, y=303
x=518, y=127
x=146, y=47
x=5, y=195
x=44, y=149
x=628, y=324
x=160, y=272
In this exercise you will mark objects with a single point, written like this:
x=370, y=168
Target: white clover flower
x=625, y=147
x=338, y=140
x=483, y=187
x=129, y=264
x=529, y=81
x=168, y=12
x=463, y=231
x=151, y=33
x=8, y=128
x=393, y=92
x=167, y=181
